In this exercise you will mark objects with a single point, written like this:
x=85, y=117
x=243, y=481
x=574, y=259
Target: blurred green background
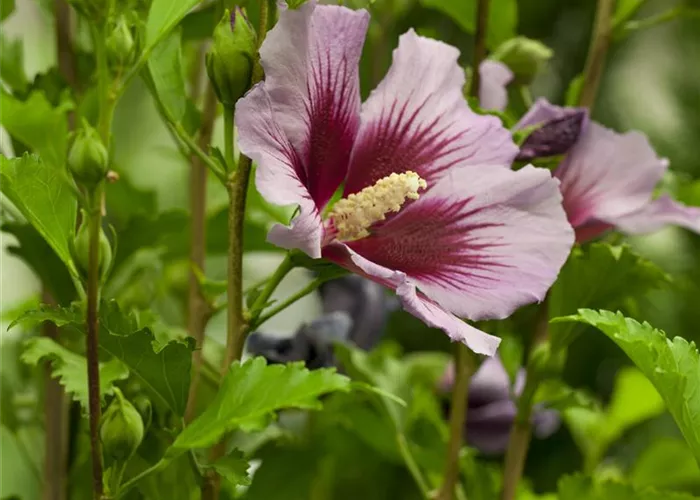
x=651, y=83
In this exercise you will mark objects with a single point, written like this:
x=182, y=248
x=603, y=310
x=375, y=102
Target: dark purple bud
x=364, y=301
x=491, y=411
x=554, y=137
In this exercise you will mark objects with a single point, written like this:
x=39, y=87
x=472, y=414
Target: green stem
x=412, y=466
x=671, y=14
x=289, y=301
x=464, y=368
x=228, y=138
x=272, y=282
x=142, y=475
x=520, y=435
x=600, y=43
x=482, y=16
x=93, y=373
x=177, y=130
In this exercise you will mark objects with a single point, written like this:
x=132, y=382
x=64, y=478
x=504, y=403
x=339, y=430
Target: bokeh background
x=651, y=83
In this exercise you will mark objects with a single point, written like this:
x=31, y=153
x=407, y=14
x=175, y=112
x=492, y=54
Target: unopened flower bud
x=523, y=56
x=121, y=47
x=80, y=249
x=121, y=430
x=554, y=137
x=231, y=57
x=88, y=158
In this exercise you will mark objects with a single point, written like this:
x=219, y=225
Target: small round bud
x=231, y=58
x=88, y=158
x=80, y=249
x=523, y=56
x=121, y=47
x=121, y=430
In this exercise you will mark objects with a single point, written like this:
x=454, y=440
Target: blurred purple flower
x=608, y=179
x=491, y=409
x=355, y=310
x=429, y=202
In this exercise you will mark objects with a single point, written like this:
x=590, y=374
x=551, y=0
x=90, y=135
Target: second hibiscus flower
x=430, y=207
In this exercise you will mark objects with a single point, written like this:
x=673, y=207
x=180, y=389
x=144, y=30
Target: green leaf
x=600, y=276
x=573, y=93
x=20, y=478
x=71, y=368
x=42, y=195
x=233, y=467
x=579, y=487
x=7, y=7
x=37, y=124
x=634, y=400
x=163, y=17
x=672, y=366
x=254, y=390
x=666, y=463
x=12, y=64
x=163, y=370
x=165, y=65
x=502, y=23
x=556, y=395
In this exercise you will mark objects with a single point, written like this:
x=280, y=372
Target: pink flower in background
x=491, y=408
x=608, y=179
x=430, y=207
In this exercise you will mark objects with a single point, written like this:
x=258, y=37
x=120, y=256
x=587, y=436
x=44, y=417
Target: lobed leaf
x=165, y=372
x=672, y=366
x=71, y=368
x=579, y=487
x=252, y=391
x=163, y=17
x=41, y=194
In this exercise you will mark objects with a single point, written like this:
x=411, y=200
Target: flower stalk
x=464, y=369
x=598, y=49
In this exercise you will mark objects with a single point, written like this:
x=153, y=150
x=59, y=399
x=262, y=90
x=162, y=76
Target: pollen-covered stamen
x=354, y=215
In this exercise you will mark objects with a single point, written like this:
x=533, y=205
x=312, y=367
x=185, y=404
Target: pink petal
x=481, y=242
x=495, y=76
x=277, y=176
x=417, y=119
x=311, y=62
x=607, y=175
x=414, y=302
x=657, y=214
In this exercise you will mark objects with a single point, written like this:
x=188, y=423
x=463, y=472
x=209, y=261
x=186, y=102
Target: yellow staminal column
x=354, y=215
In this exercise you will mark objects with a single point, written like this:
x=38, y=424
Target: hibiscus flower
x=608, y=179
x=430, y=207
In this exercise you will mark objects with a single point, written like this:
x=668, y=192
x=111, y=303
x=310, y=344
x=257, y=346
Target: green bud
x=80, y=249
x=88, y=159
x=121, y=47
x=524, y=56
x=121, y=430
x=230, y=60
